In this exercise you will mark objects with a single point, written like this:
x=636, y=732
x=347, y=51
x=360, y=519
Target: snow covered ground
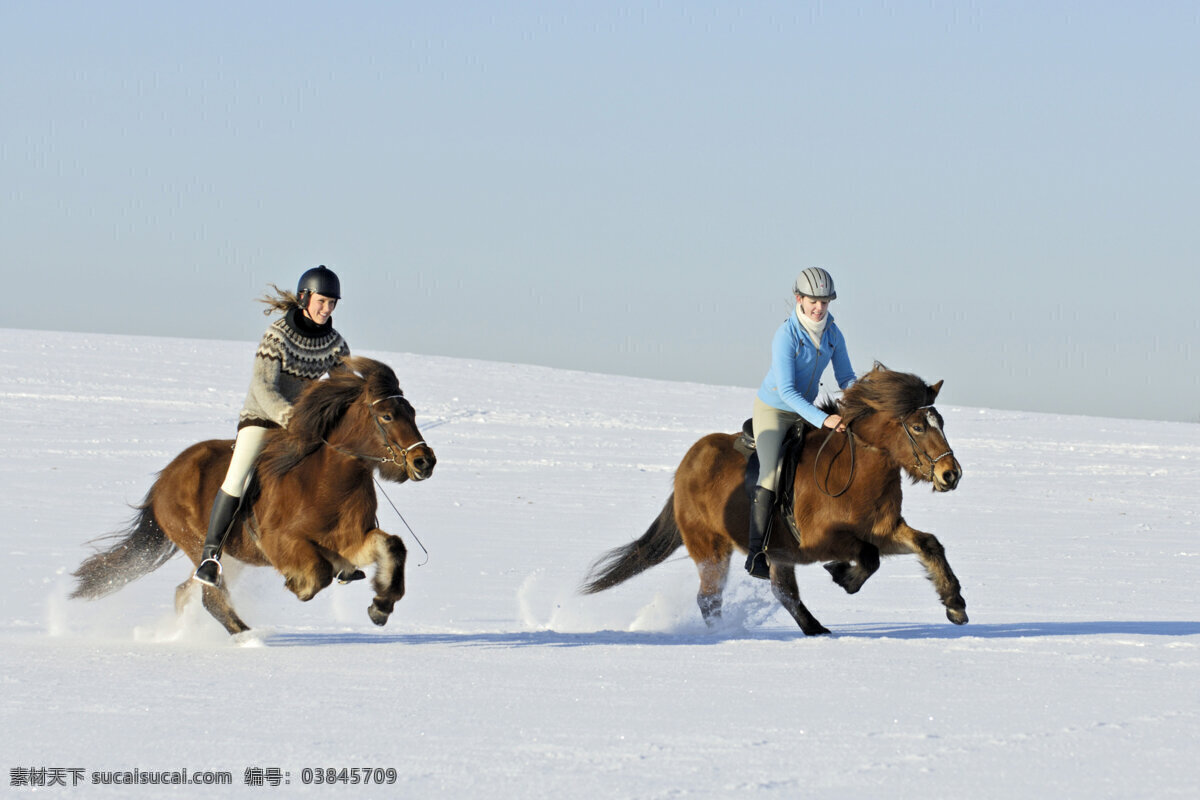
x=1075, y=540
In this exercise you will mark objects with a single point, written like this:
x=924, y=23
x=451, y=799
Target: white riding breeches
x=246, y=449
x=770, y=427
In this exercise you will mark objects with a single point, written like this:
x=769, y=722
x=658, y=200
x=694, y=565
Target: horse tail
x=620, y=564
x=138, y=550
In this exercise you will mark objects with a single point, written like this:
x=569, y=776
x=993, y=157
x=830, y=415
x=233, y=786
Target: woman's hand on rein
x=835, y=421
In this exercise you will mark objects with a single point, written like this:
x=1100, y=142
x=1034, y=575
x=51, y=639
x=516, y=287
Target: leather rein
x=816, y=478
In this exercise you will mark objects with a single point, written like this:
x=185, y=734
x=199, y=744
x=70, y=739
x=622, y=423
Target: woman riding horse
x=296, y=349
x=310, y=507
x=803, y=347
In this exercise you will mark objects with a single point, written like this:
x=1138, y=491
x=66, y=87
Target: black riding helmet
x=318, y=280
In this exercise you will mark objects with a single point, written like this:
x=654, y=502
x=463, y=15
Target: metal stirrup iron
x=220, y=572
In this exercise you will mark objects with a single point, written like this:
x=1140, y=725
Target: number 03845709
x=348, y=775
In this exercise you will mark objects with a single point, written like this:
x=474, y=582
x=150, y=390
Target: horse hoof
x=377, y=616
x=248, y=638
x=840, y=572
x=818, y=630
x=956, y=615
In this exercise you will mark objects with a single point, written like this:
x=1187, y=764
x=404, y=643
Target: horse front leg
x=306, y=571
x=852, y=575
x=390, y=555
x=344, y=570
x=787, y=592
x=933, y=556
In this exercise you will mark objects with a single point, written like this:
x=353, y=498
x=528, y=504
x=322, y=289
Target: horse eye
x=918, y=428
x=386, y=417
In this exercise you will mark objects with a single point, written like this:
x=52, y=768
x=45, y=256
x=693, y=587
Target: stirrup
x=206, y=578
x=759, y=566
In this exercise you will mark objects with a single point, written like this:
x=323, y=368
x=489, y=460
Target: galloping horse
x=846, y=508
x=309, y=510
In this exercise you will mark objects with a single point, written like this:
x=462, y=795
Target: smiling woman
x=318, y=292
x=297, y=349
x=309, y=512
x=805, y=344
x=891, y=427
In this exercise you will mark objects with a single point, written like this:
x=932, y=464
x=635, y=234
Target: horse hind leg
x=852, y=575
x=183, y=596
x=787, y=592
x=710, y=550
x=216, y=601
x=390, y=556
x=713, y=574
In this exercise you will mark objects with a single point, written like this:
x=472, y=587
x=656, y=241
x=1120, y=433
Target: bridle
x=917, y=455
x=395, y=453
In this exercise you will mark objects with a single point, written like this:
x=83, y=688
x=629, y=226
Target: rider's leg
x=246, y=449
x=770, y=427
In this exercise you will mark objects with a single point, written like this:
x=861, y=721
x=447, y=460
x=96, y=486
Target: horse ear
x=934, y=389
x=355, y=364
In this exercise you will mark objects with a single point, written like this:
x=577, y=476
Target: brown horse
x=847, y=494
x=309, y=510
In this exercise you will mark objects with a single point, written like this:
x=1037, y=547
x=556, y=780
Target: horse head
x=390, y=422
x=932, y=455
x=916, y=436
x=361, y=412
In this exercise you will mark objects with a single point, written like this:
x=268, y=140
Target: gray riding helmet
x=319, y=280
x=816, y=283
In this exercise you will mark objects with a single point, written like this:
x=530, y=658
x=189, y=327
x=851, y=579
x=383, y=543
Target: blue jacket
x=794, y=378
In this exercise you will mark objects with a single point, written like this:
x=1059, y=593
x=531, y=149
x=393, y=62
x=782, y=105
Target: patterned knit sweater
x=293, y=352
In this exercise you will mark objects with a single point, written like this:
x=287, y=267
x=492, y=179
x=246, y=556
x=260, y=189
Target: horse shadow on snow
x=878, y=631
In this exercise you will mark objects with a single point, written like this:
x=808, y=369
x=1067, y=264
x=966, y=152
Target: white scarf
x=814, y=329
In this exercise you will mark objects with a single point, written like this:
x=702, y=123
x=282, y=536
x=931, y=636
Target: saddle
x=789, y=460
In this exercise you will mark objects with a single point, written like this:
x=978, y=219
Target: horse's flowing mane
x=896, y=394
x=320, y=409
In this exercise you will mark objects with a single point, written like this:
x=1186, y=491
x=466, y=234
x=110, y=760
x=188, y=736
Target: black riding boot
x=762, y=508
x=219, y=520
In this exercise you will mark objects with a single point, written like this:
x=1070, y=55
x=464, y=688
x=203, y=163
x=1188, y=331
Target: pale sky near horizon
x=1007, y=194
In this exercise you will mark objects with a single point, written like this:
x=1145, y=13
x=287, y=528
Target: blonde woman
x=803, y=347
x=297, y=348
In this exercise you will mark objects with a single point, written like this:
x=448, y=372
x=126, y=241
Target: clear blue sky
x=1007, y=194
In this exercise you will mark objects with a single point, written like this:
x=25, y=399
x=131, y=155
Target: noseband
x=395, y=453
